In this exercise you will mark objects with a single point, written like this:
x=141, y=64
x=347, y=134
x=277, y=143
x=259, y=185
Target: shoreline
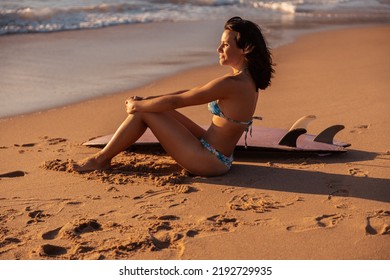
x=269, y=206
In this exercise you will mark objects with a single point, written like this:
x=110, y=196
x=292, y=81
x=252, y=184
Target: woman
x=232, y=101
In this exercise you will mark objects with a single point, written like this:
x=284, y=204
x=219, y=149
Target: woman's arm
x=217, y=89
x=151, y=97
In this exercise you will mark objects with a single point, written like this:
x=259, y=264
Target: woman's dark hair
x=257, y=55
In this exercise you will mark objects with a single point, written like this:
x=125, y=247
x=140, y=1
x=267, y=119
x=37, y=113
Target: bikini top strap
x=249, y=128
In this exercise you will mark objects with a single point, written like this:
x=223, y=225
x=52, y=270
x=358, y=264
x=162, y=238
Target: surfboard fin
x=290, y=138
x=303, y=122
x=327, y=135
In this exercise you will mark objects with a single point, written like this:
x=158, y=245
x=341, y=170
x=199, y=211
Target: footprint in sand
x=220, y=222
x=169, y=233
x=221, y=219
x=13, y=174
x=48, y=250
x=360, y=128
x=27, y=145
x=73, y=230
x=339, y=195
x=320, y=222
x=162, y=235
x=168, y=218
x=258, y=204
x=357, y=172
x=378, y=223
x=77, y=228
x=51, y=234
x=36, y=216
x=192, y=233
x=9, y=241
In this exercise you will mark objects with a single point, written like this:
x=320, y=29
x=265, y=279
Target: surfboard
x=295, y=139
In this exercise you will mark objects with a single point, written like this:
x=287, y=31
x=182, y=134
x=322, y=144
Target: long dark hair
x=257, y=54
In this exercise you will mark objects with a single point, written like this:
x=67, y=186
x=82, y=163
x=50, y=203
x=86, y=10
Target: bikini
x=216, y=110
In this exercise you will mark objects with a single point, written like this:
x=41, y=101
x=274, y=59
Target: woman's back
x=233, y=114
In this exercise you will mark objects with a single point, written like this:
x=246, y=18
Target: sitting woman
x=231, y=99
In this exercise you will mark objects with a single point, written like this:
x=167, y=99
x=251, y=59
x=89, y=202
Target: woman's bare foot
x=90, y=164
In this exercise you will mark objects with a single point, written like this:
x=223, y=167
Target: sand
x=270, y=206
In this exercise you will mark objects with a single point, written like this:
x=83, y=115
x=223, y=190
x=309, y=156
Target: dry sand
x=270, y=206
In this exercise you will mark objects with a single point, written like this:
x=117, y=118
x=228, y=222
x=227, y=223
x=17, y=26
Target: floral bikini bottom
x=224, y=159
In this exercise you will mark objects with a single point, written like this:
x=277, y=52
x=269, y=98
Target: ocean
x=43, y=67
x=57, y=15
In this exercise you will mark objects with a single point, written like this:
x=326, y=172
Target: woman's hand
x=131, y=104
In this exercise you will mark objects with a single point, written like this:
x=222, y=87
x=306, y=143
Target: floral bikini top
x=216, y=110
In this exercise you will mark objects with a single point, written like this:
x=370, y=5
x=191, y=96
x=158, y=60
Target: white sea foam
x=285, y=7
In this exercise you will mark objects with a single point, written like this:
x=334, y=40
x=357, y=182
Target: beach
x=271, y=206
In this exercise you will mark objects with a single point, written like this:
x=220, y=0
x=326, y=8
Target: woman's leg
x=195, y=129
x=134, y=127
x=128, y=132
x=177, y=134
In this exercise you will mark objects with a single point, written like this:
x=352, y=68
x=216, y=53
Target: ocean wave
x=29, y=19
x=211, y=3
x=25, y=20
x=285, y=7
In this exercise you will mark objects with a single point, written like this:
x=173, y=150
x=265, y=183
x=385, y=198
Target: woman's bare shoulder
x=226, y=83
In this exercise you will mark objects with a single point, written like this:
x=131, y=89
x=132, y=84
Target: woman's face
x=229, y=53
